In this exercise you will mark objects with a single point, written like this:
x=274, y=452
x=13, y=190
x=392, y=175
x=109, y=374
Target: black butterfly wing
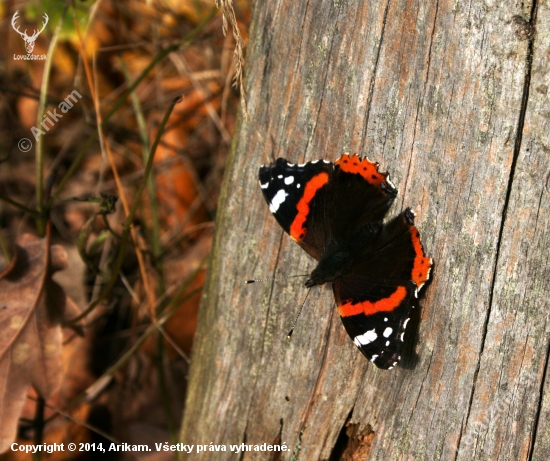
x=321, y=203
x=289, y=190
x=374, y=298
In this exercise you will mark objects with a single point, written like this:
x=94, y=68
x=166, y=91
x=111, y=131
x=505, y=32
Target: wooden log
x=453, y=99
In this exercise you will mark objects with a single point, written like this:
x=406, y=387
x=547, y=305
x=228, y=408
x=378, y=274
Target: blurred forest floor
x=124, y=380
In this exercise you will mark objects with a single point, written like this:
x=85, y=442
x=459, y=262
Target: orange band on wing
x=369, y=308
x=366, y=168
x=421, y=265
x=297, y=231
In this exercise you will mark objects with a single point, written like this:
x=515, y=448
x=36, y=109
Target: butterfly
x=335, y=212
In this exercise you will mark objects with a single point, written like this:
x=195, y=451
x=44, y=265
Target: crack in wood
x=322, y=370
x=421, y=99
x=323, y=87
x=517, y=149
x=342, y=441
x=373, y=78
x=539, y=406
x=264, y=335
x=278, y=455
x=273, y=276
x=296, y=71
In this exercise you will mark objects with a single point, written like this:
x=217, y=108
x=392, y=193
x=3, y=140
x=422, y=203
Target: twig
x=19, y=205
x=42, y=210
x=38, y=426
x=129, y=220
x=5, y=250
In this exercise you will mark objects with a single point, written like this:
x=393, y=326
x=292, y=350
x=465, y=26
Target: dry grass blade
x=32, y=306
x=238, y=56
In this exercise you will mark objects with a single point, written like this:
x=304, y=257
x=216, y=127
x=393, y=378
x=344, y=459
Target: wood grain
x=453, y=99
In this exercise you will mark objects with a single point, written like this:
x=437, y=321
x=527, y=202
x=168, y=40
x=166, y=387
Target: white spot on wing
x=387, y=332
x=297, y=186
x=264, y=186
x=387, y=343
x=326, y=161
x=314, y=161
x=280, y=176
x=373, y=358
x=405, y=323
x=366, y=338
x=389, y=182
x=289, y=180
x=385, y=319
x=279, y=198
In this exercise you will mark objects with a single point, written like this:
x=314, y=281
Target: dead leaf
x=32, y=306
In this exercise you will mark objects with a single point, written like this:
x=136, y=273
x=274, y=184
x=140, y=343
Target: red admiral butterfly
x=334, y=211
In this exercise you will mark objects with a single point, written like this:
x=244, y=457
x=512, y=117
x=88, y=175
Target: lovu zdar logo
x=29, y=39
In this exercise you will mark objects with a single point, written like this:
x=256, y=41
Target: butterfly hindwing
x=375, y=297
x=380, y=335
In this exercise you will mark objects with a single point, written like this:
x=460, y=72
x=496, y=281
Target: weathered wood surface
x=453, y=99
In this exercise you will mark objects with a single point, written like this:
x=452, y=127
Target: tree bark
x=452, y=98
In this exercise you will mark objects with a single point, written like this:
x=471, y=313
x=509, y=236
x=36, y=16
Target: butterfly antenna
x=299, y=312
x=275, y=278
